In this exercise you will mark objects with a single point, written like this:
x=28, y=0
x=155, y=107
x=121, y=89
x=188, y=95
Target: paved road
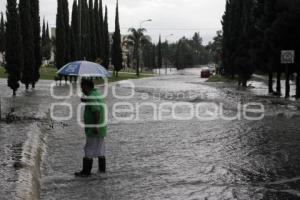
x=165, y=158
x=172, y=159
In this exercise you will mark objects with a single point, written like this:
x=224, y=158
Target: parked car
x=205, y=73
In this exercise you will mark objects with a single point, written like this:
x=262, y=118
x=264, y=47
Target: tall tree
x=35, y=14
x=159, y=54
x=14, y=46
x=102, y=31
x=85, y=46
x=153, y=60
x=98, y=28
x=147, y=54
x=106, y=40
x=75, y=32
x=2, y=34
x=183, y=54
x=43, y=32
x=228, y=42
x=66, y=17
x=46, y=42
x=28, y=72
x=47, y=32
x=117, y=57
x=92, y=32
x=60, y=36
x=238, y=32
x=136, y=38
x=49, y=43
x=243, y=55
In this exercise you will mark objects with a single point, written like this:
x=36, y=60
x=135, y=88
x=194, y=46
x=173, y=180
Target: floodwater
x=156, y=158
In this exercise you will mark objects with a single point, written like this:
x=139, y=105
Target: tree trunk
x=14, y=93
x=244, y=82
x=287, y=83
x=271, y=82
x=138, y=66
x=298, y=85
x=278, y=87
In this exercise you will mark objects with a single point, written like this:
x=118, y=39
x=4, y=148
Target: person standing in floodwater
x=95, y=129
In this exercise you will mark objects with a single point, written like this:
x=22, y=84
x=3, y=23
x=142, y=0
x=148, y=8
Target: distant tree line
x=21, y=42
x=182, y=54
x=87, y=37
x=254, y=33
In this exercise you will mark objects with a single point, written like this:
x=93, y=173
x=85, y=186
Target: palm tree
x=136, y=39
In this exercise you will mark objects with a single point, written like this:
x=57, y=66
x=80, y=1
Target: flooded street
x=150, y=158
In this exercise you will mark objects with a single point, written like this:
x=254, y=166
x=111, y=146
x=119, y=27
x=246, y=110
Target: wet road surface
x=174, y=159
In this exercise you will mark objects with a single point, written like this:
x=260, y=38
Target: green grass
x=48, y=73
x=2, y=72
x=219, y=78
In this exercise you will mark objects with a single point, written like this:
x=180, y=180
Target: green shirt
x=89, y=115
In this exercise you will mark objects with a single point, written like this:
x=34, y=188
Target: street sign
x=287, y=57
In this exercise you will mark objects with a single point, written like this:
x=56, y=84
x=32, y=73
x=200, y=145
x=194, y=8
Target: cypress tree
x=98, y=29
x=296, y=19
x=243, y=55
x=67, y=38
x=159, y=58
x=60, y=36
x=43, y=33
x=14, y=47
x=2, y=34
x=227, y=34
x=35, y=14
x=85, y=33
x=102, y=29
x=80, y=28
x=92, y=32
x=153, y=62
x=75, y=53
x=238, y=37
x=106, y=41
x=28, y=72
x=117, y=58
x=260, y=47
x=48, y=32
x=44, y=39
x=46, y=42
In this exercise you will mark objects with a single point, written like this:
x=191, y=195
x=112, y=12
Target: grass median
x=48, y=73
x=219, y=78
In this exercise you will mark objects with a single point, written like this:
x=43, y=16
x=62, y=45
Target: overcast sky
x=177, y=17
